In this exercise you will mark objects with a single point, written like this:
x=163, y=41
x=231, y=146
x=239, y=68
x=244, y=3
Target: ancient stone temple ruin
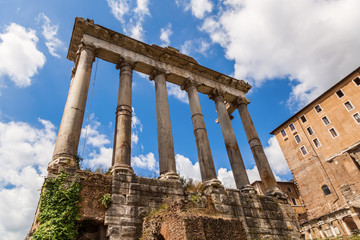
x=214, y=212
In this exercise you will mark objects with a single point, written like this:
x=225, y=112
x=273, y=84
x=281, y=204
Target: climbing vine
x=106, y=200
x=59, y=212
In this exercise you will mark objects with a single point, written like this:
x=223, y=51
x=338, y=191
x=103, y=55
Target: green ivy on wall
x=59, y=212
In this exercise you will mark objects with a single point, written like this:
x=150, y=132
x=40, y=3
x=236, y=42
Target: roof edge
x=331, y=88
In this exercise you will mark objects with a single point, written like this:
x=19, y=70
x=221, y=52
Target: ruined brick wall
x=195, y=226
x=92, y=212
x=229, y=213
x=94, y=187
x=254, y=217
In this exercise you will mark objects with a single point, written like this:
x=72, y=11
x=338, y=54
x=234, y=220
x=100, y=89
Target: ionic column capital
x=85, y=46
x=125, y=62
x=156, y=72
x=188, y=83
x=240, y=100
x=216, y=95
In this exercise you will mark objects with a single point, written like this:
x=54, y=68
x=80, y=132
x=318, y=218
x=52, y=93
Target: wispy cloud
x=136, y=128
x=49, y=32
x=199, y=8
x=165, y=34
x=195, y=46
x=20, y=59
x=131, y=15
x=175, y=91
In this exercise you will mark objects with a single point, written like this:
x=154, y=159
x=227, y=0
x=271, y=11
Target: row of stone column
x=70, y=128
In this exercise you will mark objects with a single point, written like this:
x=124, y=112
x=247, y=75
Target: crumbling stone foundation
x=206, y=214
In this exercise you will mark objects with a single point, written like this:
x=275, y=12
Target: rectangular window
x=303, y=150
x=316, y=142
x=348, y=105
x=325, y=120
x=333, y=132
x=283, y=133
x=357, y=117
x=310, y=131
x=357, y=81
x=318, y=108
x=293, y=201
x=340, y=93
x=297, y=138
x=292, y=127
x=303, y=118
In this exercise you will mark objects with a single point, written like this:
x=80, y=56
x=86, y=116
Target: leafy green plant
x=106, y=200
x=195, y=198
x=59, y=212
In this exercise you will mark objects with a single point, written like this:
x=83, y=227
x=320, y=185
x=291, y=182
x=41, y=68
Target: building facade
x=321, y=144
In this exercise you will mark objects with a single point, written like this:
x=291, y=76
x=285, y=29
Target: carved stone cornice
x=179, y=65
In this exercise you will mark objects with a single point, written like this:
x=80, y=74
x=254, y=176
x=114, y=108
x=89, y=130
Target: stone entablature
x=111, y=45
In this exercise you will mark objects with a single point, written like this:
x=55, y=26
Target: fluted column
x=67, y=141
x=122, y=139
x=232, y=147
x=207, y=167
x=266, y=174
x=167, y=164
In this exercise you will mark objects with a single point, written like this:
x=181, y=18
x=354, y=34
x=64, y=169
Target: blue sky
x=290, y=51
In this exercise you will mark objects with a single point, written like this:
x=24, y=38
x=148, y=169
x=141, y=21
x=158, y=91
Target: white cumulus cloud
x=24, y=154
x=20, y=59
x=186, y=168
x=226, y=177
x=165, y=34
x=200, y=7
x=306, y=41
x=49, y=32
x=276, y=157
x=131, y=15
x=147, y=161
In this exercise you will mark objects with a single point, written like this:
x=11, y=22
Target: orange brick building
x=321, y=144
x=295, y=200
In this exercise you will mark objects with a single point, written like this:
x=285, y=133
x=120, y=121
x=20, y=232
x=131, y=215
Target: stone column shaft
x=265, y=172
x=167, y=164
x=232, y=147
x=67, y=141
x=122, y=139
x=207, y=167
